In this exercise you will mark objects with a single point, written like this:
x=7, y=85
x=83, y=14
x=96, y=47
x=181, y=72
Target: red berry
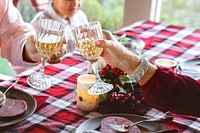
x=137, y=102
x=133, y=98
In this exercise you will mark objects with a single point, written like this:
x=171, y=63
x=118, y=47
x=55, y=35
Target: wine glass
x=84, y=36
x=49, y=37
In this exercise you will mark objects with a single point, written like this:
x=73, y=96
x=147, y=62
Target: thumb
x=30, y=53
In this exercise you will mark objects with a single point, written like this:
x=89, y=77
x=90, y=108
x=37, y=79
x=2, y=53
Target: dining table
x=55, y=108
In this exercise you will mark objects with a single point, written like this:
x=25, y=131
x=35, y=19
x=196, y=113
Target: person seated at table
x=68, y=12
x=161, y=87
x=17, y=40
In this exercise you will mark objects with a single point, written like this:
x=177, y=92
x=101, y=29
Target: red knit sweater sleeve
x=168, y=91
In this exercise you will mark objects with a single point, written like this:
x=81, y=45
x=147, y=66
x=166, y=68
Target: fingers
x=56, y=58
x=54, y=61
x=31, y=39
x=103, y=43
x=30, y=53
x=108, y=35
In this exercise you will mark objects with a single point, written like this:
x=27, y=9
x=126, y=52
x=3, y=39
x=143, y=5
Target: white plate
x=193, y=64
x=94, y=123
x=190, y=68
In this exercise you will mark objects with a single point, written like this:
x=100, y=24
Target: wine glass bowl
x=89, y=51
x=85, y=36
x=49, y=37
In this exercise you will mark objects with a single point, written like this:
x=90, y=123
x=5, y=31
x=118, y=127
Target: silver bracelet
x=140, y=70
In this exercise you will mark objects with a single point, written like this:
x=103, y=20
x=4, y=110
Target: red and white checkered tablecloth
x=165, y=41
x=60, y=114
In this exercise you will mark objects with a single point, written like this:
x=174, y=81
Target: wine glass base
x=39, y=83
x=100, y=88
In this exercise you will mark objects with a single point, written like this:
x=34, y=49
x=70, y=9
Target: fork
x=126, y=128
x=2, y=101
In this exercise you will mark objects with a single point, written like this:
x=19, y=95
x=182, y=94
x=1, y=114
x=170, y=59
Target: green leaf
x=123, y=38
x=124, y=79
x=121, y=89
x=103, y=97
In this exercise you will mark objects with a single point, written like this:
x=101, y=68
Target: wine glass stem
x=95, y=69
x=43, y=62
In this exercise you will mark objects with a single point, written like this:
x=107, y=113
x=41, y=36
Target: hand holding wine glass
x=85, y=35
x=49, y=37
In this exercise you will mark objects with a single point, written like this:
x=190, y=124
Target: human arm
x=117, y=55
x=14, y=33
x=168, y=91
x=162, y=88
x=18, y=38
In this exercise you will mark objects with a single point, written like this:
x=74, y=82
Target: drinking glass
x=84, y=36
x=49, y=37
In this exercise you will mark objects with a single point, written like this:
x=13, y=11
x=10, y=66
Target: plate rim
x=30, y=110
x=187, y=61
x=115, y=114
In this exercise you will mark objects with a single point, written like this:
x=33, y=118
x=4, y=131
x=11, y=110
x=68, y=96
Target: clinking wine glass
x=49, y=37
x=84, y=36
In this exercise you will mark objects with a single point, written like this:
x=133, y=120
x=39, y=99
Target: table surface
x=60, y=114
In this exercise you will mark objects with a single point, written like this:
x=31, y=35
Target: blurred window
x=181, y=12
x=108, y=12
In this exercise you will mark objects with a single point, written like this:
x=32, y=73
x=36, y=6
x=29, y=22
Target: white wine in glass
x=84, y=36
x=49, y=37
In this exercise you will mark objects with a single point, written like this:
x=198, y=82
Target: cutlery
x=3, y=94
x=126, y=128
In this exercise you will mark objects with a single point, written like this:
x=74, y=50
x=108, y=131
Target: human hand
x=116, y=54
x=56, y=58
x=30, y=53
